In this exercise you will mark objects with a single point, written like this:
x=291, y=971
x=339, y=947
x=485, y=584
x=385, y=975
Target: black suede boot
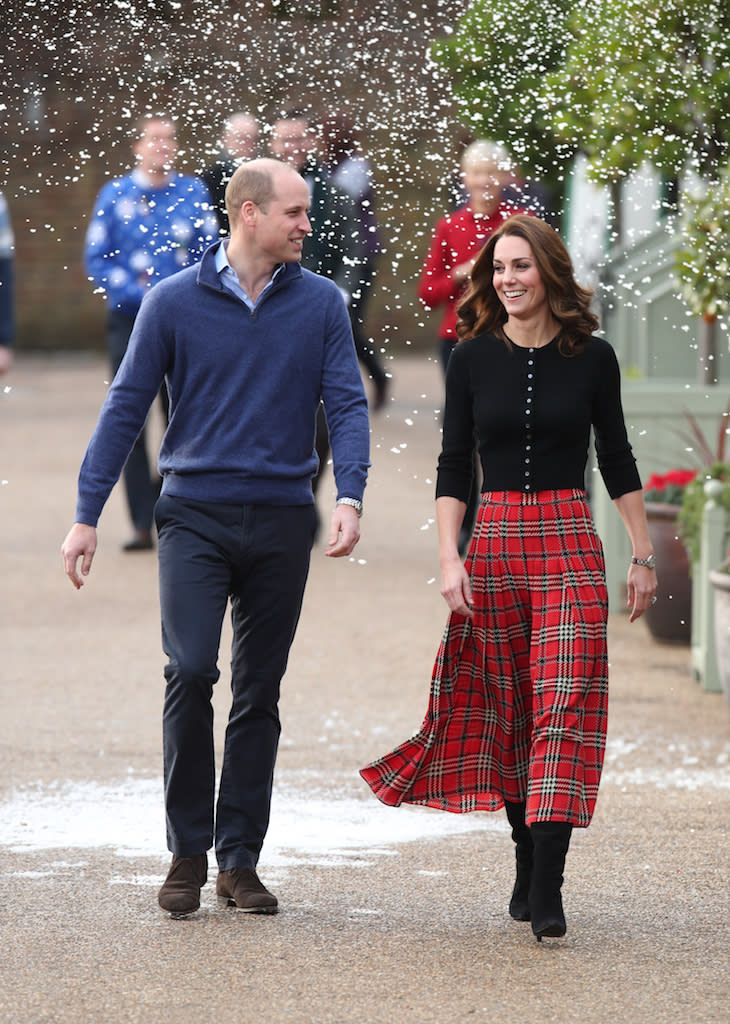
x=519, y=906
x=550, y=841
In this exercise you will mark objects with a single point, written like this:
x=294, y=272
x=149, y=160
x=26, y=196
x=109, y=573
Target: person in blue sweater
x=248, y=343
x=144, y=227
x=7, y=296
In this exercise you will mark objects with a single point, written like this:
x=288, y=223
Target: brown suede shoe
x=242, y=888
x=180, y=892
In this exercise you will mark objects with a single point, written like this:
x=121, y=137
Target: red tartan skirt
x=519, y=694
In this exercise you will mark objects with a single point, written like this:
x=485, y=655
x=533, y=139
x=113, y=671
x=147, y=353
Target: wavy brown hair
x=482, y=311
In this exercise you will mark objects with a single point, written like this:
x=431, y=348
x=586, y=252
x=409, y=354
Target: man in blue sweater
x=144, y=227
x=248, y=343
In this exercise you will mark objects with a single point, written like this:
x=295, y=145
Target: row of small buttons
x=528, y=422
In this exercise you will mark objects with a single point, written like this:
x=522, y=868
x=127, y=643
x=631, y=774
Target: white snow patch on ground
x=309, y=825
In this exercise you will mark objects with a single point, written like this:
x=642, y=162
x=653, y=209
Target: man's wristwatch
x=353, y=502
x=649, y=561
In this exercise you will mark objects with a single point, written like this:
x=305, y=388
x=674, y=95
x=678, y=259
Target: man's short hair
x=252, y=181
x=140, y=125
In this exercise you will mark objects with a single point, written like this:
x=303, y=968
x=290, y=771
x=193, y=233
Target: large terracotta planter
x=669, y=620
x=721, y=587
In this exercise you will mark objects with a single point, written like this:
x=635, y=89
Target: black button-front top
x=532, y=410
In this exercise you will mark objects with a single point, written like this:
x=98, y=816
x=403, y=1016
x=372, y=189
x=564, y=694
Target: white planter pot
x=721, y=587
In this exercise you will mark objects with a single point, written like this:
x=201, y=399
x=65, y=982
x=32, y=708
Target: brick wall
x=76, y=80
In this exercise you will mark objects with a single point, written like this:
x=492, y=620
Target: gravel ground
x=387, y=927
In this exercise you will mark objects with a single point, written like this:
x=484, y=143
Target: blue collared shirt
x=229, y=278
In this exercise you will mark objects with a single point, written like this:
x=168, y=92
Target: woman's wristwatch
x=649, y=561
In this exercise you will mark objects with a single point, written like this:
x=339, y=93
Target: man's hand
x=80, y=543
x=344, y=531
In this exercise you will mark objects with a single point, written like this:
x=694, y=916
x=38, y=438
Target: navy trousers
x=258, y=557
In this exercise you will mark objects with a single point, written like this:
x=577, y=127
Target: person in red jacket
x=486, y=170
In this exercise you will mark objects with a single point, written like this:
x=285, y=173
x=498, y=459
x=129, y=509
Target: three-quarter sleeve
x=616, y=460
x=455, y=464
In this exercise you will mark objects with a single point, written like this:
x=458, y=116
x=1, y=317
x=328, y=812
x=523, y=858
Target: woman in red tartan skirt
x=517, y=711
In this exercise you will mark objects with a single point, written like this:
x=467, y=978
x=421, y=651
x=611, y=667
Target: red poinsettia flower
x=668, y=487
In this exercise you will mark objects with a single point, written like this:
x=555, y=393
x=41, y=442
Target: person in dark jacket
x=352, y=174
x=240, y=143
x=333, y=248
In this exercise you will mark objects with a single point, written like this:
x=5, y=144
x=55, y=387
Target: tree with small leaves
x=650, y=83
x=496, y=58
x=644, y=82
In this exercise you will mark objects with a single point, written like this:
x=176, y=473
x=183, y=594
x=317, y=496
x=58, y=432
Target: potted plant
x=714, y=467
x=693, y=502
x=669, y=620
x=674, y=506
x=720, y=579
x=714, y=483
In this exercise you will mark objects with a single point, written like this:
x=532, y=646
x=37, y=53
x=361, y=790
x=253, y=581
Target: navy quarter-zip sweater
x=244, y=390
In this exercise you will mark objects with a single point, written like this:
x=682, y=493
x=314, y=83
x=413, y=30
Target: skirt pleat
x=519, y=694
